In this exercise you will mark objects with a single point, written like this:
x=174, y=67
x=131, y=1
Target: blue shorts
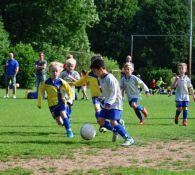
x=95, y=101
x=55, y=110
x=134, y=100
x=180, y=104
x=111, y=114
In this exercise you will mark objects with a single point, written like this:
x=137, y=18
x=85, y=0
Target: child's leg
x=185, y=113
x=137, y=108
x=178, y=111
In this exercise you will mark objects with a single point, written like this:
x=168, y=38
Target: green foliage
x=163, y=18
x=111, y=36
x=26, y=56
x=4, y=41
x=148, y=74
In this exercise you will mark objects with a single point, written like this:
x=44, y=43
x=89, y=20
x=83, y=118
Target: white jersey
x=66, y=76
x=132, y=86
x=111, y=91
x=182, y=85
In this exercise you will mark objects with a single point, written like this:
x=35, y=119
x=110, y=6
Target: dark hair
x=93, y=58
x=97, y=64
x=84, y=72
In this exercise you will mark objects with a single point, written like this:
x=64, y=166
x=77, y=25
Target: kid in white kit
x=131, y=85
x=112, y=104
x=182, y=85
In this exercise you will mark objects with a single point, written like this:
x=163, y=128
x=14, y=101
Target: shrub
x=26, y=56
x=147, y=74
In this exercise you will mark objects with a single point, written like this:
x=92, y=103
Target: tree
x=112, y=36
x=162, y=17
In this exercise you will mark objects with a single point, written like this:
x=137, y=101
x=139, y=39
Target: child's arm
x=174, y=84
x=143, y=86
x=82, y=81
x=40, y=94
x=66, y=87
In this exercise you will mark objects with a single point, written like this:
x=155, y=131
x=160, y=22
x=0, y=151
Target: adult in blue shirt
x=12, y=68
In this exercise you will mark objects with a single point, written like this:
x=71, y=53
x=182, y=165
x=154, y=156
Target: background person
x=40, y=67
x=12, y=68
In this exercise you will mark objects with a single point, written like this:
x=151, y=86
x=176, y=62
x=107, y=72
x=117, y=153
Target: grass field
x=30, y=139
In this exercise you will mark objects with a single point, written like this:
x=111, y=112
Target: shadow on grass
x=13, y=133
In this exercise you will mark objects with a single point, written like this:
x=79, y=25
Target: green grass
x=26, y=131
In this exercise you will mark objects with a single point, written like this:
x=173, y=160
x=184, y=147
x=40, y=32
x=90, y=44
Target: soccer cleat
x=176, y=120
x=144, y=112
x=102, y=129
x=185, y=123
x=114, y=137
x=6, y=96
x=128, y=142
x=14, y=96
x=70, y=134
x=141, y=122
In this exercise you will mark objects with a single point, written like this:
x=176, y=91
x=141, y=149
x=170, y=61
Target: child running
x=182, y=84
x=112, y=103
x=55, y=87
x=131, y=85
x=92, y=80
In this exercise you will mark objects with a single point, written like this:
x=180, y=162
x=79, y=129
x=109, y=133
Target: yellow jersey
x=55, y=92
x=92, y=80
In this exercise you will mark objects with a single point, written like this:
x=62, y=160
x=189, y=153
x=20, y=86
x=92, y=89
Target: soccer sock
x=121, y=130
x=66, y=123
x=108, y=126
x=177, y=113
x=185, y=114
x=97, y=114
x=139, y=107
x=138, y=113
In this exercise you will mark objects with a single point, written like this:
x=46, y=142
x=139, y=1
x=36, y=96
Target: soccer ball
x=87, y=131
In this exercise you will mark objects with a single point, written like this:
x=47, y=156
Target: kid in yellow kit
x=55, y=87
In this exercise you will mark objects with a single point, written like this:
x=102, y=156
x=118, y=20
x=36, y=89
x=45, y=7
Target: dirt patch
x=172, y=155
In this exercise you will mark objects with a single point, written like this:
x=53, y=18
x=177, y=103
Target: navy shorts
x=10, y=80
x=180, y=104
x=95, y=101
x=134, y=100
x=57, y=109
x=111, y=114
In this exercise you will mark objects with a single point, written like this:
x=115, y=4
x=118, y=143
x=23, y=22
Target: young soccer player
x=131, y=85
x=182, y=85
x=55, y=87
x=112, y=103
x=70, y=75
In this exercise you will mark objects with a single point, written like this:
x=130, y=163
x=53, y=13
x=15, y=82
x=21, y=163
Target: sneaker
x=141, y=122
x=176, y=120
x=102, y=129
x=114, y=137
x=128, y=142
x=70, y=134
x=144, y=112
x=14, y=96
x=6, y=96
x=122, y=122
x=185, y=123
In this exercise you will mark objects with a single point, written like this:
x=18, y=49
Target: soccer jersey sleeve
x=40, y=93
x=142, y=84
x=66, y=87
x=81, y=81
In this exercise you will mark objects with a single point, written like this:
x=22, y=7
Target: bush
x=26, y=56
x=147, y=74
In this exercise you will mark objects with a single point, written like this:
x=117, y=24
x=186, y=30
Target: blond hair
x=182, y=65
x=57, y=65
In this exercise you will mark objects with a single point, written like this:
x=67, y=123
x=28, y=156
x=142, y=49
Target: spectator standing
x=40, y=67
x=12, y=68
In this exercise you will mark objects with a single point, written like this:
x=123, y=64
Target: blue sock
x=177, y=113
x=66, y=123
x=185, y=114
x=108, y=126
x=97, y=114
x=121, y=130
x=139, y=107
x=139, y=115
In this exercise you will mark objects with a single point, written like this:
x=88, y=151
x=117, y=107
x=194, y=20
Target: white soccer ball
x=88, y=131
